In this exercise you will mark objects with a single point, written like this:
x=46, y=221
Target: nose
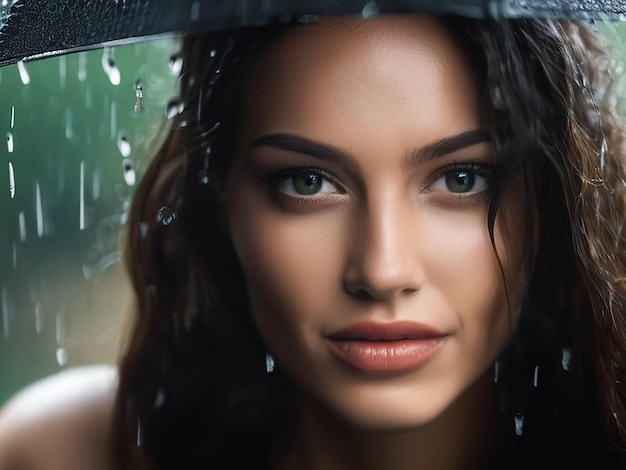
x=383, y=260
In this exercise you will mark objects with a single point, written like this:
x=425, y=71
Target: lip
x=385, y=348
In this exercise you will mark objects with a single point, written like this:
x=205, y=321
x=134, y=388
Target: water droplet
x=519, y=424
x=603, y=154
x=12, y=116
x=82, y=66
x=60, y=327
x=195, y=11
x=62, y=71
x=69, y=118
x=143, y=229
x=176, y=64
x=174, y=108
x=138, y=95
x=496, y=372
x=566, y=358
x=269, y=363
x=129, y=172
x=308, y=19
x=38, y=210
x=10, y=144
x=22, y=223
x=110, y=67
x=113, y=120
x=39, y=323
x=160, y=398
x=370, y=10
x=81, y=208
x=165, y=215
x=11, y=181
x=124, y=146
x=5, y=313
x=213, y=53
x=95, y=180
x=536, y=376
x=62, y=357
x=139, y=433
x=24, y=76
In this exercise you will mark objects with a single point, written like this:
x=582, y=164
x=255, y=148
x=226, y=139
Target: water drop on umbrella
x=10, y=143
x=11, y=181
x=165, y=215
x=176, y=64
x=370, y=10
x=174, y=108
x=138, y=95
x=124, y=146
x=129, y=172
x=519, y=424
x=24, y=76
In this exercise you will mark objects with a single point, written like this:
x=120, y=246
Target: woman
x=394, y=243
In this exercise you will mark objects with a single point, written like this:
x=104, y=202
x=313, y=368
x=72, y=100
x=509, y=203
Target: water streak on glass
x=113, y=120
x=5, y=313
x=12, y=116
x=24, y=76
x=38, y=210
x=566, y=358
x=69, y=118
x=95, y=185
x=10, y=143
x=81, y=221
x=39, y=321
x=82, y=66
x=11, y=181
x=110, y=67
x=536, y=376
x=22, y=224
x=519, y=424
x=62, y=71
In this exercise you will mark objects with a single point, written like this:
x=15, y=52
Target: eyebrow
x=301, y=145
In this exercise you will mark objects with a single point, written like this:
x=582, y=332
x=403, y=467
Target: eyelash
x=278, y=177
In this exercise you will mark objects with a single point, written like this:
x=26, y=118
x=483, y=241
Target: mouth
x=385, y=348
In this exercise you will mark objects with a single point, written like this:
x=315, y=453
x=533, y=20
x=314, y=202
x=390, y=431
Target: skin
x=382, y=240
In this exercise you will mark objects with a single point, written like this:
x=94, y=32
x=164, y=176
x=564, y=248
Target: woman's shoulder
x=60, y=422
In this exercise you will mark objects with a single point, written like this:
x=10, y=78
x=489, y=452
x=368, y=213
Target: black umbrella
x=32, y=29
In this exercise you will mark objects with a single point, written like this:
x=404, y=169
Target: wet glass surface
x=78, y=131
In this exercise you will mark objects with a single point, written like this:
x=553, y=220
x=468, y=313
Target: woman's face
x=358, y=209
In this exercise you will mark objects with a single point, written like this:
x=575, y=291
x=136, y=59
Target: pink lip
x=381, y=348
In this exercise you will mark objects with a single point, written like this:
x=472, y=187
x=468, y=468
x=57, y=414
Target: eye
x=464, y=179
x=305, y=182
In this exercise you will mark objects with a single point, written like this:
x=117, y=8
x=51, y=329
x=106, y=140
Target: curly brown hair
x=193, y=390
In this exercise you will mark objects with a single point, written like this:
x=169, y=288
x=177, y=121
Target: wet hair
x=194, y=392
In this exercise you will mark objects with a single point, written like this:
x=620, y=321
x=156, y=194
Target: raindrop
x=110, y=67
x=124, y=146
x=496, y=372
x=69, y=122
x=129, y=172
x=165, y=215
x=176, y=64
x=81, y=216
x=82, y=66
x=113, y=120
x=174, y=108
x=160, y=398
x=62, y=357
x=269, y=363
x=38, y=210
x=11, y=181
x=519, y=424
x=138, y=95
x=139, y=433
x=566, y=358
x=603, y=154
x=308, y=19
x=95, y=179
x=60, y=327
x=370, y=10
x=24, y=76
x=62, y=71
x=22, y=223
x=12, y=116
x=10, y=144
x=195, y=10
x=38, y=318
x=213, y=53
x=14, y=254
x=5, y=313
x=143, y=229
x=536, y=376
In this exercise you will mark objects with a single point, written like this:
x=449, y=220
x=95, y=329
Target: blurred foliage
x=62, y=288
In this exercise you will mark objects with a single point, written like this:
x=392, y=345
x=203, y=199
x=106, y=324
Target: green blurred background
x=76, y=142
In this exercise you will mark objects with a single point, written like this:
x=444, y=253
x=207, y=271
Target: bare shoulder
x=61, y=422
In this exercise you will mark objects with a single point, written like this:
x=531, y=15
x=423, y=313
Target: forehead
x=400, y=68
